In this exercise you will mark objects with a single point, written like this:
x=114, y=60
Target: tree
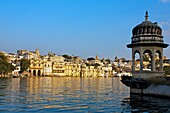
x=3, y=58
x=5, y=66
x=91, y=58
x=24, y=63
x=123, y=59
x=67, y=56
x=96, y=64
x=87, y=64
x=108, y=61
x=116, y=59
x=75, y=57
x=102, y=60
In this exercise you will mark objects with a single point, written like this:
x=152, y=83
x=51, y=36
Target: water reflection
x=61, y=94
x=147, y=104
x=73, y=94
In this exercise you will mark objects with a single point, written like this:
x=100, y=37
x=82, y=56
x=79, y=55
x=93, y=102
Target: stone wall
x=154, y=90
x=147, y=74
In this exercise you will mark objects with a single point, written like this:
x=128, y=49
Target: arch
x=147, y=60
x=34, y=72
x=136, y=51
x=39, y=73
x=137, y=60
x=159, y=52
x=158, y=59
x=147, y=51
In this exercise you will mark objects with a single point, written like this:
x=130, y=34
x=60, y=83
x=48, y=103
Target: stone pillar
x=133, y=62
x=161, y=62
x=141, y=61
x=153, y=62
x=36, y=72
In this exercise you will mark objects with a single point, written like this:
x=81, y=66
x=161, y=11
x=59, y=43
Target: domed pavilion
x=147, y=39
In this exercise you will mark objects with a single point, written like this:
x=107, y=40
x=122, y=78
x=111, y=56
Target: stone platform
x=153, y=90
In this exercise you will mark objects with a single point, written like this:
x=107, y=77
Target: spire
x=97, y=58
x=37, y=52
x=146, y=16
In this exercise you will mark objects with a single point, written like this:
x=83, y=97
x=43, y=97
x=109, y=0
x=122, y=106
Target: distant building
x=36, y=67
x=28, y=54
x=47, y=68
x=16, y=70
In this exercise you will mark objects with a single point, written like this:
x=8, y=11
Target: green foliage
x=5, y=67
x=67, y=56
x=102, y=60
x=96, y=64
x=2, y=57
x=75, y=57
x=116, y=59
x=87, y=64
x=123, y=59
x=91, y=58
x=167, y=70
x=108, y=61
x=24, y=63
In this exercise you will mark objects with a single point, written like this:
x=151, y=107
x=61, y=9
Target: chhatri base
x=153, y=90
x=147, y=74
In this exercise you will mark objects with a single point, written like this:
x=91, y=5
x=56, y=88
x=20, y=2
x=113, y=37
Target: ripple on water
x=73, y=94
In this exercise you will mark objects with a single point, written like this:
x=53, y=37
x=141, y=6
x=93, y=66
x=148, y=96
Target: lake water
x=74, y=94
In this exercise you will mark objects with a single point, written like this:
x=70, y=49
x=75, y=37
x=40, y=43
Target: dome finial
x=146, y=16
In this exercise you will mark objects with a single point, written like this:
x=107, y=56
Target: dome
x=147, y=28
x=147, y=34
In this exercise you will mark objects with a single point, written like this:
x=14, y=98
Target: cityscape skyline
x=83, y=28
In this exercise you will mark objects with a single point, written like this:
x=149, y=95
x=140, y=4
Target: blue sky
x=85, y=28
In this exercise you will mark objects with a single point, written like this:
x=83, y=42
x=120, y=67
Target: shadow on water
x=138, y=103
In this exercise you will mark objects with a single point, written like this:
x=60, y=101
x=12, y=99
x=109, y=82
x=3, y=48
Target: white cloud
x=165, y=1
x=167, y=33
x=164, y=23
x=166, y=29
